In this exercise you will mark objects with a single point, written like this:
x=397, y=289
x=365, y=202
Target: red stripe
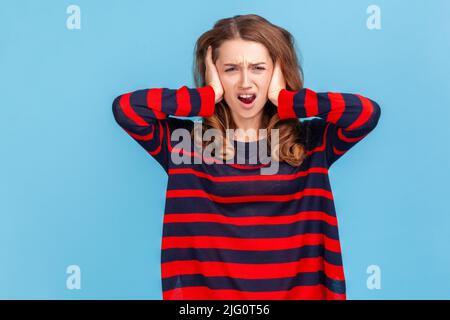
x=252, y=244
x=337, y=103
x=318, y=292
x=311, y=103
x=276, y=177
x=337, y=151
x=196, y=193
x=125, y=105
x=286, y=104
x=246, y=221
x=147, y=137
x=154, y=102
x=366, y=113
x=347, y=139
x=245, y=167
x=207, y=97
x=251, y=271
x=183, y=102
x=161, y=134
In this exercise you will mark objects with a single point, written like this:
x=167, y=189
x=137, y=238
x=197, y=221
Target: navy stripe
x=254, y=285
x=139, y=99
x=252, y=231
x=316, y=159
x=351, y=113
x=169, y=101
x=323, y=103
x=189, y=205
x=195, y=101
x=242, y=188
x=299, y=100
x=249, y=256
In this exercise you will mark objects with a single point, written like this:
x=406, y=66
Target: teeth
x=245, y=96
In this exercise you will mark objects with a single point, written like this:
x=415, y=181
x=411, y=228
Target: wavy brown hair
x=281, y=46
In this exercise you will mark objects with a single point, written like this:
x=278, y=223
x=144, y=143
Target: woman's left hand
x=277, y=83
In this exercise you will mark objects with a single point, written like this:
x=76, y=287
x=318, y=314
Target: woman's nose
x=244, y=79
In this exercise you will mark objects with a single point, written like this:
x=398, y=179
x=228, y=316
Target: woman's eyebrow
x=252, y=64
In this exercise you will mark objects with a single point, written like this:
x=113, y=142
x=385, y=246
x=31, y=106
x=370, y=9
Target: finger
x=278, y=66
x=209, y=54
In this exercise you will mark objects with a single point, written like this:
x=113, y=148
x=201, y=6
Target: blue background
x=75, y=189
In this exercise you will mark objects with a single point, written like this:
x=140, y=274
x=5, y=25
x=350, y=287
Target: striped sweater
x=230, y=232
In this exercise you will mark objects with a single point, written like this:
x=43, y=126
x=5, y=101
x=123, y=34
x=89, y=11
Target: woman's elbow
x=376, y=114
x=117, y=110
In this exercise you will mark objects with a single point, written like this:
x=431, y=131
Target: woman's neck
x=248, y=129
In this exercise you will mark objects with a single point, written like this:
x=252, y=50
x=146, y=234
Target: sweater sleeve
x=144, y=115
x=347, y=118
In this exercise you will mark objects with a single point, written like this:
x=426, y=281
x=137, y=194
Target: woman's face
x=244, y=67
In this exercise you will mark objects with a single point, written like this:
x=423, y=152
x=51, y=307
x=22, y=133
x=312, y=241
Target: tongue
x=247, y=100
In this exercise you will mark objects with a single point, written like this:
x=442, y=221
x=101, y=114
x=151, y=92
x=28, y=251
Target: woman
x=229, y=231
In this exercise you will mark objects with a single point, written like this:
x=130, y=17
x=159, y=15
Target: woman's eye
x=257, y=68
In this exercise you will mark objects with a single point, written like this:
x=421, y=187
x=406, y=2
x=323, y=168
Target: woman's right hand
x=212, y=76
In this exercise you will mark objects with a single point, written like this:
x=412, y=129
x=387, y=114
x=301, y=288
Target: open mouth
x=247, y=98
